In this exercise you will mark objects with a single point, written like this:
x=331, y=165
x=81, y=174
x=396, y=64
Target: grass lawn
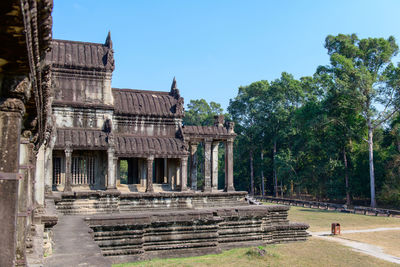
x=389, y=241
x=321, y=220
x=314, y=252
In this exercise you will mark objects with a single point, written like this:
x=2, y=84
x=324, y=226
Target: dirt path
x=365, y=248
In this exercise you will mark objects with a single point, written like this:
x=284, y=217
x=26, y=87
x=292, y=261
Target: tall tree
x=245, y=111
x=365, y=67
x=199, y=112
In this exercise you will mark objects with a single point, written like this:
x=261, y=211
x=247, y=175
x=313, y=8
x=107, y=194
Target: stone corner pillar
x=111, y=181
x=193, y=165
x=149, y=180
x=11, y=112
x=214, y=165
x=184, y=180
x=229, y=166
x=207, y=165
x=68, y=162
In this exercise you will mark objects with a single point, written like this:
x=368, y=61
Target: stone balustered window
x=57, y=165
x=83, y=170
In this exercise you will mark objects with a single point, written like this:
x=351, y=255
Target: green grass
x=312, y=253
x=321, y=220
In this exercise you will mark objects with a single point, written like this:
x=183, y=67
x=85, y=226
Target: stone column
x=68, y=174
x=229, y=166
x=214, y=166
x=165, y=178
x=149, y=184
x=207, y=165
x=48, y=164
x=111, y=182
x=184, y=173
x=11, y=111
x=193, y=165
x=38, y=186
x=118, y=171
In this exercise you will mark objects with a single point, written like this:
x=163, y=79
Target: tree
x=283, y=96
x=365, y=67
x=200, y=113
x=245, y=111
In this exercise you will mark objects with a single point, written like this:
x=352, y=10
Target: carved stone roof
x=147, y=103
x=139, y=146
x=125, y=145
x=80, y=55
x=207, y=131
x=81, y=139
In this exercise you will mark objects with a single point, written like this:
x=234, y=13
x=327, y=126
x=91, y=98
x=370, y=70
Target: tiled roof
x=205, y=130
x=81, y=139
x=148, y=103
x=127, y=146
x=80, y=55
x=143, y=146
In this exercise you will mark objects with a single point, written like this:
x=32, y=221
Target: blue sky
x=215, y=46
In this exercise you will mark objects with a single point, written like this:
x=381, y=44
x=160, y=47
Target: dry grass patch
x=389, y=241
x=314, y=252
x=320, y=220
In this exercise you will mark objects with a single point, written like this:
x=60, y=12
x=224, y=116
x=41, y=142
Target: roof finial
x=108, y=40
x=174, y=89
x=173, y=85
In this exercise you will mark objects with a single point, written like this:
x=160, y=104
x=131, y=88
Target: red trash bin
x=335, y=230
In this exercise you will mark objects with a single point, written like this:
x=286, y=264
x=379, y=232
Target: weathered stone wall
x=147, y=125
x=193, y=232
x=107, y=202
x=67, y=117
x=82, y=86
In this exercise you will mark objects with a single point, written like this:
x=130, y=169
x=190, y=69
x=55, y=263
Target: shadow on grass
x=318, y=210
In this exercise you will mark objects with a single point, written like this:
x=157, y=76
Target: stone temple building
x=97, y=126
x=65, y=134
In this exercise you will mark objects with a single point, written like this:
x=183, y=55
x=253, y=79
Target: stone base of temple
x=131, y=237
x=137, y=226
x=100, y=202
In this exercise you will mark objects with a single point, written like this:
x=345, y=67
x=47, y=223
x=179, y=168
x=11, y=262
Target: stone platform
x=137, y=226
x=102, y=202
x=146, y=235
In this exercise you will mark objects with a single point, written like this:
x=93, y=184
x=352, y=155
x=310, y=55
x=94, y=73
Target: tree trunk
x=262, y=174
x=371, y=162
x=251, y=174
x=274, y=171
x=346, y=177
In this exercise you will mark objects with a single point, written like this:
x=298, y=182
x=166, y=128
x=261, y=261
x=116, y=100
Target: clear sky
x=214, y=46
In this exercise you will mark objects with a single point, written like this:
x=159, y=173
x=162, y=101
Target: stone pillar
x=207, y=165
x=229, y=166
x=214, y=166
x=48, y=165
x=184, y=173
x=11, y=111
x=149, y=165
x=68, y=174
x=111, y=182
x=38, y=186
x=24, y=198
x=165, y=178
x=193, y=165
x=118, y=171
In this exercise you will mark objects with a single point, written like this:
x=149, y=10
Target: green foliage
x=313, y=132
x=199, y=112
